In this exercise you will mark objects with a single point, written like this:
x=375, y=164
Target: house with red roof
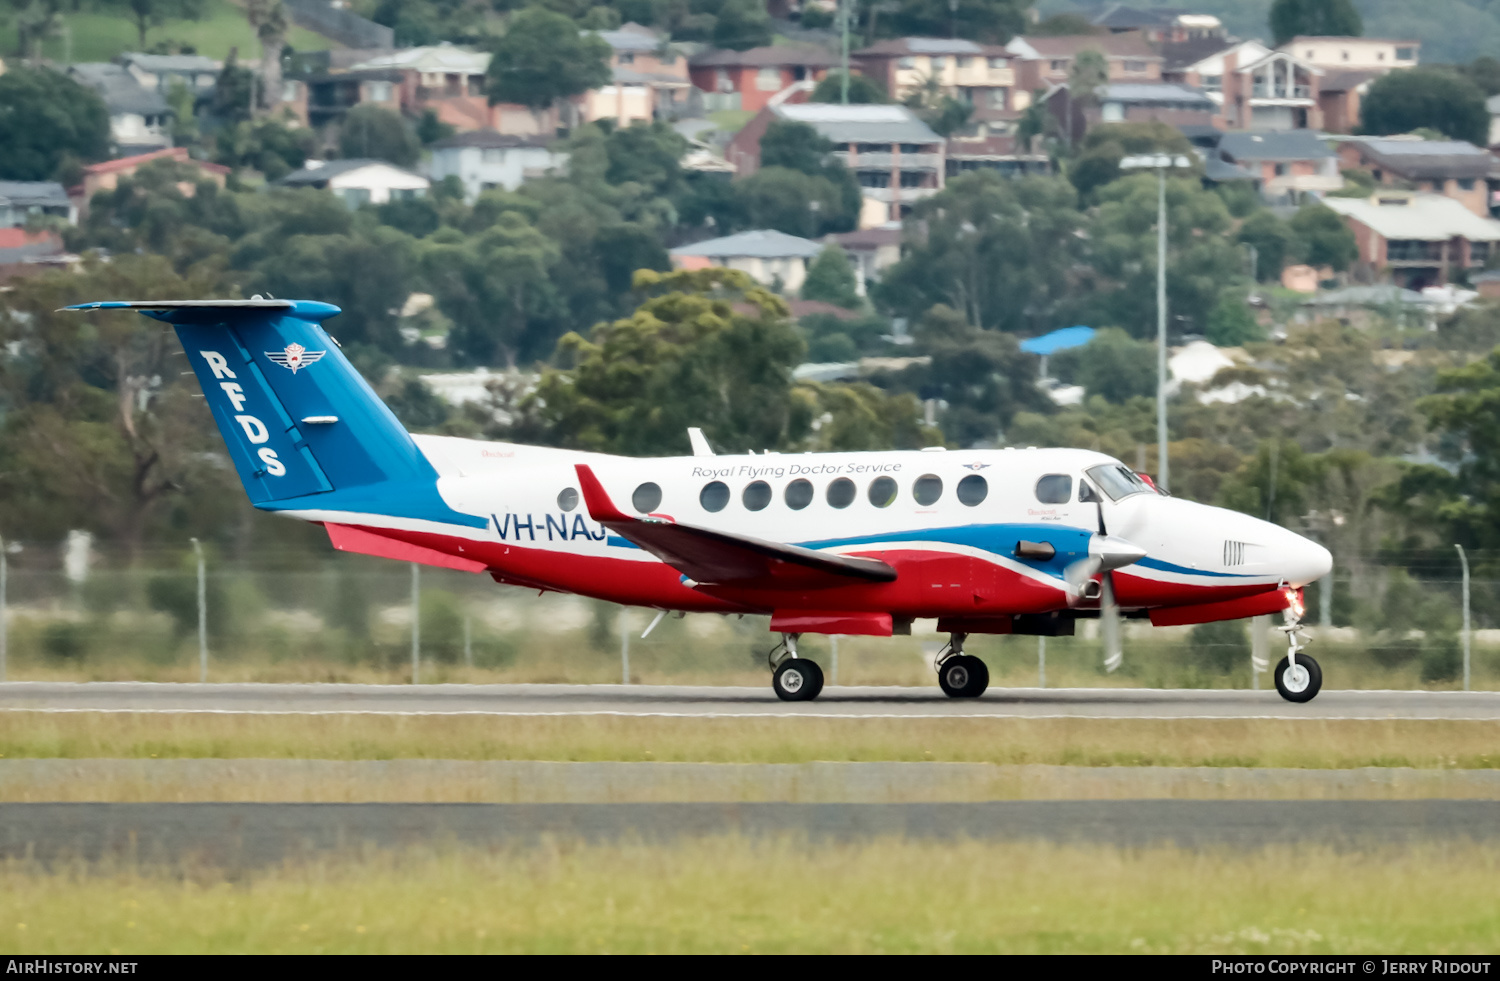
x=105, y=176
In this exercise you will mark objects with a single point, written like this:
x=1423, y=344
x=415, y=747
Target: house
x=771, y=258
x=139, y=117
x=1159, y=25
x=360, y=182
x=981, y=75
x=159, y=72
x=1200, y=64
x=998, y=153
x=1453, y=168
x=485, y=160
x=1045, y=62
x=1492, y=106
x=894, y=155
x=871, y=251
x=20, y=200
x=330, y=97
x=1130, y=102
x=1287, y=166
x=1341, y=95
x=24, y=253
x=1273, y=91
x=649, y=79
x=106, y=175
x=1355, y=53
x=441, y=78
x=748, y=79
x=1417, y=240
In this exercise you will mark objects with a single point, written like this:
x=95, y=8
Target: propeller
x=1106, y=554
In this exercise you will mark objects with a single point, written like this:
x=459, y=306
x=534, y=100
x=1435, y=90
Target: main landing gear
x=961, y=675
x=794, y=679
x=1298, y=677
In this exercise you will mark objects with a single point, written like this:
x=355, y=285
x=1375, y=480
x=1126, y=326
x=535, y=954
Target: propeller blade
x=1109, y=623
x=1110, y=552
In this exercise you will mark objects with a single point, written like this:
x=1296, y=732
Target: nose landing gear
x=961, y=675
x=1298, y=677
x=793, y=678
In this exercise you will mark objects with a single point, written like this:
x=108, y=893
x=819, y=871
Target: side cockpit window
x=1118, y=481
x=1055, y=488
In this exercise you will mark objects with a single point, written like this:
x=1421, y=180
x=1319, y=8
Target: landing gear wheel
x=797, y=680
x=1299, y=682
x=963, y=676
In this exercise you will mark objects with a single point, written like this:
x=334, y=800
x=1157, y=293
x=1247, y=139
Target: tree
x=46, y=118
x=797, y=146
x=542, y=57
x=1314, y=18
x=430, y=128
x=831, y=279
x=793, y=202
x=1102, y=149
x=1113, y=365
x=153, y=13
x=1087, y=79
x=1273, y=241
x=1321, y=238
x=1002, y=251
x=267, y=145
x=647, y=154
x=863, y=89
x=742, y=25
x=37, y=20
x=985, y=21
x=378, y=133
x=268, y=18
x=1400, y=102
x=1063, y=25
x=234, y=91
x=1231, y=324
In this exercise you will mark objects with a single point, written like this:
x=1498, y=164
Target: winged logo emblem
x=975, y=466
x=295, y=357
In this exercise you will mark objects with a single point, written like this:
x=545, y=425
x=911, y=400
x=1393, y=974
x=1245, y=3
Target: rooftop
x=178, y=154
x=1292, y=144
x=927, y=46
x=155, y=63
x=1146, y=92
x=1179, y=55
x=760, y=244
x=1344, y=81
x=1429, y=158
x=308, y=176
x=1417, y=217
x=487, y=139
x=119, y=89
x=763, y=57
x=431, y=58
x=631, y=37
x=860, y=123
x=1129, y=45
x=26, y=193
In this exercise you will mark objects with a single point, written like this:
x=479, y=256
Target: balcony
x=886, y=161
x=1282, y=92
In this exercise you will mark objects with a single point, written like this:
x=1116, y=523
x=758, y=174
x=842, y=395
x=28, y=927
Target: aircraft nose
x=1305, y=561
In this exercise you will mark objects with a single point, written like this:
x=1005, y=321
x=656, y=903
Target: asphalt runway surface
x=645, y=700
x=249, y=835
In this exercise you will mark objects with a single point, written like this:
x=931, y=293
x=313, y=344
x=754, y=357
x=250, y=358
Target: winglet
x=601, y=508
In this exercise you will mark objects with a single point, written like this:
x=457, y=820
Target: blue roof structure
x=1059, y=340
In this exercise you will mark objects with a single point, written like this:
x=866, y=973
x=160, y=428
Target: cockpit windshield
x=1118, y=480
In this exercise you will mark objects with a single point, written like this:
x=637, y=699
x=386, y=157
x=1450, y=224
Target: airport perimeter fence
x=305, y=617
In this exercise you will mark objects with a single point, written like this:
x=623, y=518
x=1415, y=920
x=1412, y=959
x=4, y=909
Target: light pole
x=846, y=14
x=1161, y=163
x=1464, y=559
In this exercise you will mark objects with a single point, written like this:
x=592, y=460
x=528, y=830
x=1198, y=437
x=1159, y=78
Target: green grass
x=1309, y=744
x=99, y=36
x=734, y=895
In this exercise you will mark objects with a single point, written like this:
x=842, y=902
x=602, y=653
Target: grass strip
x=1311, y=743
x=778, y=896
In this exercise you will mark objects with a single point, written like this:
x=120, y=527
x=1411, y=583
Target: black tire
x=963, y=676
x=797, y=680
x=1299, y=689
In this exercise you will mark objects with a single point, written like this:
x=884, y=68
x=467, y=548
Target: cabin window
x=714, y=496
x=841, y=492
x=647, y=497
x=567, y=499
x=756, y=496
x=927, y=489
x=1118, y=480
x=799, y=494
x=972, y=490
x=1087, y=494
x=882, y=492
x=1055, y=488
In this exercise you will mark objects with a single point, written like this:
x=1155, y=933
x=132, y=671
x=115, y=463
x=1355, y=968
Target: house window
x=1213, y=83
x=380, y=92
x=1406, y=54
x=1059, y=64
x=1112, y=112
x=405, y=193
x=1466, y=183
x=494, y=155
x=1135, y=67
x=1479, y=253
x=1408, y=250
x=912, y=178
x=874, y=178
x=1281, y=170
x=999, y=98
x=1344, y=55
x=355, y=196
x=768, y=79
x=627, y=58
x=907, y=62
x=476, y=85
x=997, y=62
x=962, y=61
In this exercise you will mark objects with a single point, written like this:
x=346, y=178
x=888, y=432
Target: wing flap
x=720, y=558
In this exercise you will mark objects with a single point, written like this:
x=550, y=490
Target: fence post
x=1041, y=661
x=1259, y=649
x=1325, y=600
x=1464, y=560
x=468, y=642
x=833, y=643
x=624, y=646
x=4, y=623
x=202, y=614
x=416, y=622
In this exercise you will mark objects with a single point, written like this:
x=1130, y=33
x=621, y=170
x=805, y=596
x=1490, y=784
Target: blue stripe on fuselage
x=1071, y=544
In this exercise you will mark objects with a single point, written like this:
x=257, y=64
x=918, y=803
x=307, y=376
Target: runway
x=240, y=834
x=702, y=701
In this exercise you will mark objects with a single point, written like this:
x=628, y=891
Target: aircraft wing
x=720, y=558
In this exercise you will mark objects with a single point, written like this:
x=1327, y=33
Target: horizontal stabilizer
x=255, y=304
x=720, y=558
x=347, y=539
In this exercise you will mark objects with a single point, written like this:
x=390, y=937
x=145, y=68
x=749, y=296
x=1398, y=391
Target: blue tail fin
x=304, y=429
